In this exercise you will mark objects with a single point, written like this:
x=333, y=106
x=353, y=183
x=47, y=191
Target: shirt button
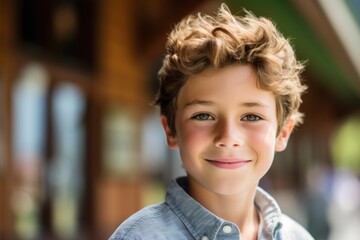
x=227, y=229
x=204, y=238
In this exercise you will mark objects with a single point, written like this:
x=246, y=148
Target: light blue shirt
x=180, y=217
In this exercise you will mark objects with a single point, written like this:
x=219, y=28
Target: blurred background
x=81, y=147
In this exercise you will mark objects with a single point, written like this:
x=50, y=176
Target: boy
x=229, y=98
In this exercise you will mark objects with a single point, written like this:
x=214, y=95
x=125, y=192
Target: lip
x=228, y=163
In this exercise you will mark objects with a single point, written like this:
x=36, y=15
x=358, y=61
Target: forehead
x=232, y=84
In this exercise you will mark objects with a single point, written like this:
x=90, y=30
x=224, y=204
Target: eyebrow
x=255, y=104
x=210, y=103
x=199, y=102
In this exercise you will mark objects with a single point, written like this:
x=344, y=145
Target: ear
x=284, y=135
x=170, y=137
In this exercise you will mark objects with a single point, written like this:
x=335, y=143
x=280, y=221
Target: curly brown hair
x=201, y=41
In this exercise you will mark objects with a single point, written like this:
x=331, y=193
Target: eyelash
x=246, y=118
x=207, y=116
x=198, y=117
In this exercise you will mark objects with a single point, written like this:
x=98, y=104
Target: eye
x=202, y=117
x=251, y=118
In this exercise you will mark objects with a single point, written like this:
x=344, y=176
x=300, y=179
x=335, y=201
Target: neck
x=238, y=209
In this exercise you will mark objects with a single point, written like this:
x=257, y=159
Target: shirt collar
x=201, y=222
x=269, y=212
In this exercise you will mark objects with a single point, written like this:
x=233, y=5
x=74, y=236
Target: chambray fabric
x=180, y=217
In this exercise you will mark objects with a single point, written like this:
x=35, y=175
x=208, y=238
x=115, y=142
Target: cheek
x=191, y=140
x=190, y=132
x=263, y=143
x=263, y=138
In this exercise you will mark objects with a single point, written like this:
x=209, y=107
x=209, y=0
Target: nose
x=228, y=135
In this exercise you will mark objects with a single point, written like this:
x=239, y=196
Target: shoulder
x=142, y=224
x=293, y=230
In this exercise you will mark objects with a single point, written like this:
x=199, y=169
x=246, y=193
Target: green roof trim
x=320, y=63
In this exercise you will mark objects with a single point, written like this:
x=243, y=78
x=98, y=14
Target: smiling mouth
x=228, y=164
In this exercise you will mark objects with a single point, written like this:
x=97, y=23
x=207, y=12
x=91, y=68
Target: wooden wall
x=129, y=37
x=6, y=72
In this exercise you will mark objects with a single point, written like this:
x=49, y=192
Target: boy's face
x=226, y=130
